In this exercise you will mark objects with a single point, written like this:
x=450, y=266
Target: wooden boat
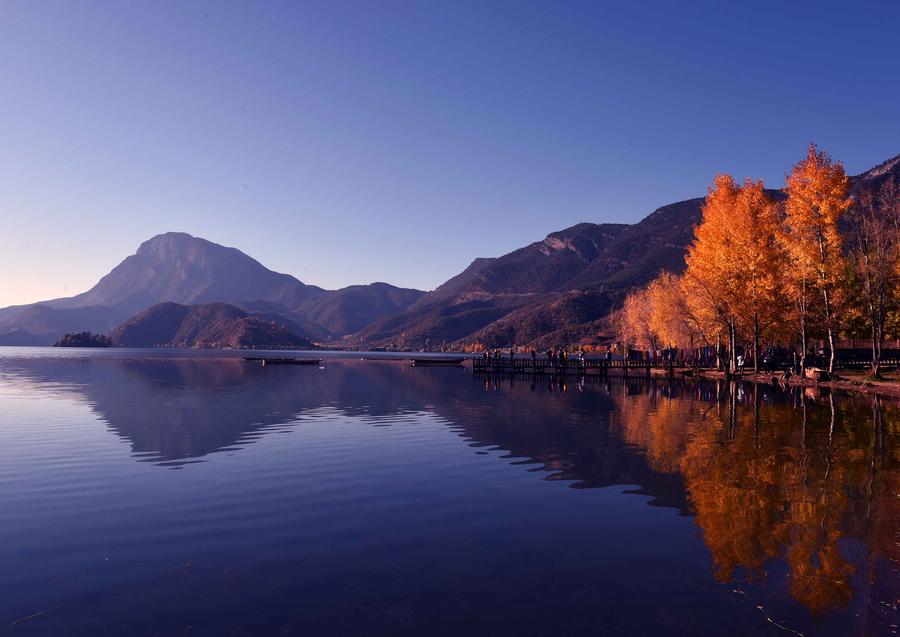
x=434, y=362
x=290, y=361
x=816, y=374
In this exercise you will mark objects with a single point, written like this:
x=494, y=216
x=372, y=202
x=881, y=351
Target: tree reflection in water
x=801, y=476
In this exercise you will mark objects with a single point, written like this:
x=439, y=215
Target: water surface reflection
x=794, y=495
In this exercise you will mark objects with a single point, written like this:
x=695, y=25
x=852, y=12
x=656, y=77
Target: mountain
x=43, y=324
x=179, y=268
x=214, y=325
x=562, y=288
x=350, y=309
x=547, y=292
x=556, y=290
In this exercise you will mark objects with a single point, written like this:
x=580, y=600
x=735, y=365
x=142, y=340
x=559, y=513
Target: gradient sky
x=349, y=142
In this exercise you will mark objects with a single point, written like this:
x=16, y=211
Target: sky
x=347, y=142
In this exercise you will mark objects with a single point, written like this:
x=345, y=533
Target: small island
x=83, y=339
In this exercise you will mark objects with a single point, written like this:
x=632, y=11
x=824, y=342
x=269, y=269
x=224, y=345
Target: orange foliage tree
x=634, y=321
x=760, y=262
x=736, y=262
x=755, y=268
x=709, y=272
x=817, y=199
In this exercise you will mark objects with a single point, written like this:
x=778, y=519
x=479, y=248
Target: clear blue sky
x=349, y=142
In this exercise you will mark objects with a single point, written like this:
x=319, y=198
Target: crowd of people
x=555, y=357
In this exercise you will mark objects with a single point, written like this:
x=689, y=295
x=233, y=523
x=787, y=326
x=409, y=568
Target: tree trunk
x=732, y=338
x=877, y=335
x=827, y=298
x=831, y=353
x=828, y=322
x=803, y=338
x=755, y=344
x=802, y=308
x=718, y=352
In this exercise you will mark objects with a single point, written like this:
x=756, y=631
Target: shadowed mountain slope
x=555, y=287
x=215, y=325
x=352, y=308
x=560, y=289
x=179, y=268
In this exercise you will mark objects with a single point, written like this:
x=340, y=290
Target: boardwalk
x=572, y=366
x=604, y=367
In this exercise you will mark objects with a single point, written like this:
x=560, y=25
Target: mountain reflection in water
x=795, y=492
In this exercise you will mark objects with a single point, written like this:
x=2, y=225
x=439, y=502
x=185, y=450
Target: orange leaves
x=817, y=190
x=634, y=321
x=817, y=200
x=735, y=262
x=817, y=195
x=750, y=263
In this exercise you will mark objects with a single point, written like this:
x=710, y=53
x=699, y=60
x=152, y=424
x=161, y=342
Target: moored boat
x=289, y=361
x=434, y=362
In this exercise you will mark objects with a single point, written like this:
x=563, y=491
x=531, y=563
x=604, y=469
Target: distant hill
x=214, y=325
x=179, y=268
x=83, y=339
x=560, y=289
x=351, y=309
x=548, y=292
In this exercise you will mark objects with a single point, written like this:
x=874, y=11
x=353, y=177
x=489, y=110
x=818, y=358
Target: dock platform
x=572, y=366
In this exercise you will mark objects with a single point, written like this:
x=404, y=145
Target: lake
x=186, y=493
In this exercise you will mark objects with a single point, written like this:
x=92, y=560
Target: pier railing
x=598, y=366
x=603, y=366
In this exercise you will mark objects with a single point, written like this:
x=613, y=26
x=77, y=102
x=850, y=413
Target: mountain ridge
x=211, y=325
x=180, y=268
x=572, y=279
x=557, y=289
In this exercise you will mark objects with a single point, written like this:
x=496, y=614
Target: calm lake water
x=171, y=494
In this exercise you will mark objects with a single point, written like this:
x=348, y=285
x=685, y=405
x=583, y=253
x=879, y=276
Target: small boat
x=816, y=374
x=434, y=362
x=291, y=361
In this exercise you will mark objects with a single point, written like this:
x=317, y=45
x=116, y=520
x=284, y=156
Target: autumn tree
x=659, y=316
x=799, y=287
x=875, y=256
x=710, y=272
x=736, y=262
x=671, y=318
x=633, y=322
x=817, y=199
x=760, y=262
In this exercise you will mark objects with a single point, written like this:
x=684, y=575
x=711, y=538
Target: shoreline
x=853, y=382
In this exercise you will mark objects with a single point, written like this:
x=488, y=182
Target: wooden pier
x=639, y=367
x=571, y=366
